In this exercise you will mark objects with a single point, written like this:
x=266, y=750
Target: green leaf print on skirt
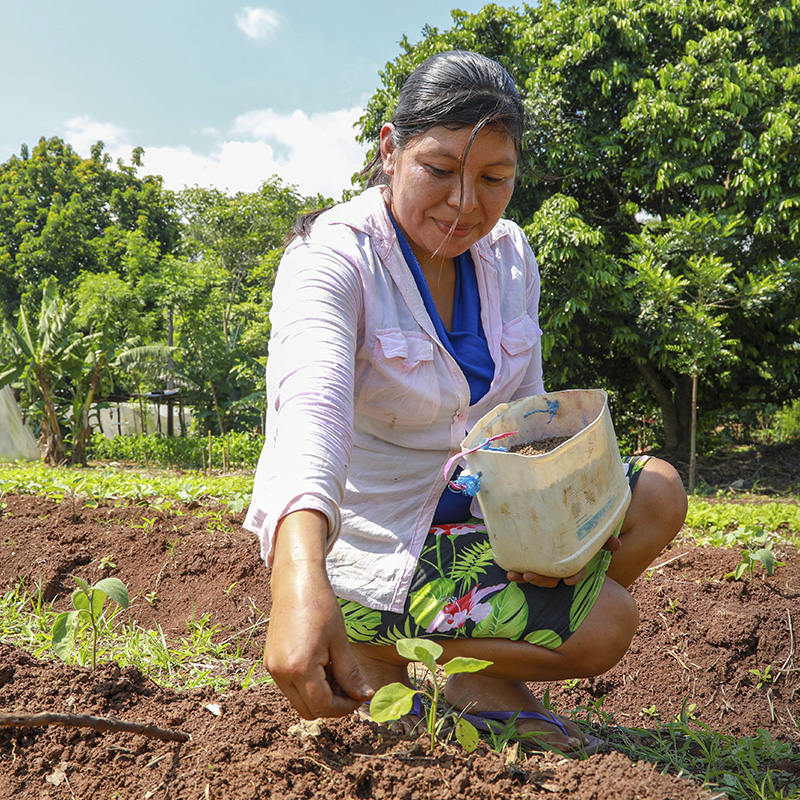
x=508, y=617
x=544, y=638
x=428, y=601
x=588, y=590
x=362, y=623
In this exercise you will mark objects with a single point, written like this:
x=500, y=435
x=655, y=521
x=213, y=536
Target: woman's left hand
x=548, y=582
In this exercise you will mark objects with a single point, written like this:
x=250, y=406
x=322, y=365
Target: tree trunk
x=54, y=451
x=675, y=405
x=693, y=440
x=78, y=455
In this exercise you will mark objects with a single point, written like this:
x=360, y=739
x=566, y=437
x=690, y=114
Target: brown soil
x=539, y=446
x=699, y=639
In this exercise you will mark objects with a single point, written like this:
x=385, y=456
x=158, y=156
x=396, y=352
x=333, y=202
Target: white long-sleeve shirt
x=365, y=405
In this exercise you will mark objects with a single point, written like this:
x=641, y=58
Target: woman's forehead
x=451, y=143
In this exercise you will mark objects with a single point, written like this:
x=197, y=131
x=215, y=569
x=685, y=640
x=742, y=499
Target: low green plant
x=107, y=562
x=765, y=677
x=88, y=602
x=394, y=700
x=751, y=559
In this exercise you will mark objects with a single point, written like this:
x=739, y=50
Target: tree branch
x=88, y=721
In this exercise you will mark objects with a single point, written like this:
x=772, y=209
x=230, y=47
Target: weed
x=106, y=562
x=765, y=678
x=394, y=700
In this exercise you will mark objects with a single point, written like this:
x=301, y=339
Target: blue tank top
x=466, y=343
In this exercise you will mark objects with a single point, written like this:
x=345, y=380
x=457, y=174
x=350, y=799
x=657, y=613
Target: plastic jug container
x=549, y=513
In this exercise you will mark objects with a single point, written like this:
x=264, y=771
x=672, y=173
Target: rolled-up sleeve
x=316, y=310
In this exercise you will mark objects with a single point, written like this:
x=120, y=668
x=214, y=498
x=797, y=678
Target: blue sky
x=218, y=92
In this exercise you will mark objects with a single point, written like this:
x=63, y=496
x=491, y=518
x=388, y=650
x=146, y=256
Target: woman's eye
x=493, y=179
x=437, y=171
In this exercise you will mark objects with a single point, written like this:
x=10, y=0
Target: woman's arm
x=307, y=651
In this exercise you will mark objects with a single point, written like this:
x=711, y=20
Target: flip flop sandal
x=496, y=722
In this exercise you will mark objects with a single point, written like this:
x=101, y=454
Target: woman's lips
x=458, y=232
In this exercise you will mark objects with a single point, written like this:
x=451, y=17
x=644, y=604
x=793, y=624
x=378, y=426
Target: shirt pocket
x=517, y=341
x=401, y=386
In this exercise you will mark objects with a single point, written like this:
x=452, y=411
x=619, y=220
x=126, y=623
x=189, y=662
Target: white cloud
x=259, y=24
x=83, y=132
x=316, y=153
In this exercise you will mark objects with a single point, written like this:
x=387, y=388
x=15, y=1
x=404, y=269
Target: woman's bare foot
x=476, y=693
x=379, y=673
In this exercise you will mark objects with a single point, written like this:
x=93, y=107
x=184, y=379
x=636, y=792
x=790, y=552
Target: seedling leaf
x=82, y=584
x=63, y=633
x=420, y=650
x=465, y=664
x=391, y=702
x=115, y=589
x=467, y=734
x=764, y=555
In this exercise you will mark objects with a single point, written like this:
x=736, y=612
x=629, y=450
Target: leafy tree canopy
x=66, y=217
x=664, y=136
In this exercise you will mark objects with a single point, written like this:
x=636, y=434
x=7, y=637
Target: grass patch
x=207, y=656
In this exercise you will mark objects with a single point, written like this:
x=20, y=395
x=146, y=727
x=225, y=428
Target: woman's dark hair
x=455, y=89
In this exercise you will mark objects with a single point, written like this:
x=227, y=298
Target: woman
x=400, y=318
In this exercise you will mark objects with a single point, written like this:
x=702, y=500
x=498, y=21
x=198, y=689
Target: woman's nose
x=463, y=195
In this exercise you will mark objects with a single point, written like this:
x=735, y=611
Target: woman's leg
x=598, y=644
x=654, y=517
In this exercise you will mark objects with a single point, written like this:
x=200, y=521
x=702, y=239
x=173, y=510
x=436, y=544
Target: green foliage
x=751, y=558
x=130, y=485
x=720, y=524
x=395, y=699
x=64, y=216
x=220, y=290
x=234, y=450
x=744, y=768
x=658, y=188
x=88, y=602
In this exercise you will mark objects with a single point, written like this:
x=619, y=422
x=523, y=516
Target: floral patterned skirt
x=458, y=591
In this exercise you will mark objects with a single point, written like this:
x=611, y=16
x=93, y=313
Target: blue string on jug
x=552, y=407
x=471, y=484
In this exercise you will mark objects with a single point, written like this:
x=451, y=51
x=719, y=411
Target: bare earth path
x=699, y=640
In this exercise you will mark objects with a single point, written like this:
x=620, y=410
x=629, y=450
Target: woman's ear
x=388, y=148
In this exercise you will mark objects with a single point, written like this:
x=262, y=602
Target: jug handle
x=485, y=443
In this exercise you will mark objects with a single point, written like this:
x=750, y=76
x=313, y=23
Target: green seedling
x=106, y=562
x=765, y=678
x=88, y=602
x=651, y=712
x=395, y=700
x=751, y=559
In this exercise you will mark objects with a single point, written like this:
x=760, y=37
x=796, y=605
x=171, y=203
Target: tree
x=64, y=216
x=651, y=111
x=220, y=289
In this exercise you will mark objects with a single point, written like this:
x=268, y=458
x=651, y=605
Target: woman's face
x=426, y=197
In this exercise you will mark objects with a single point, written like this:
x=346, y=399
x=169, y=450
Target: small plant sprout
x=88, y=602
x=394, y=700
x=750, y=560
x=106, y=562
x=765, y=678
x=651, y=712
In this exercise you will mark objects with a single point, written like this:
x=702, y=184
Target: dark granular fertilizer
x=539, y=446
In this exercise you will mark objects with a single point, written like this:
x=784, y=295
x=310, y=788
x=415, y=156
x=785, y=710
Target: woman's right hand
x=307, y=651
